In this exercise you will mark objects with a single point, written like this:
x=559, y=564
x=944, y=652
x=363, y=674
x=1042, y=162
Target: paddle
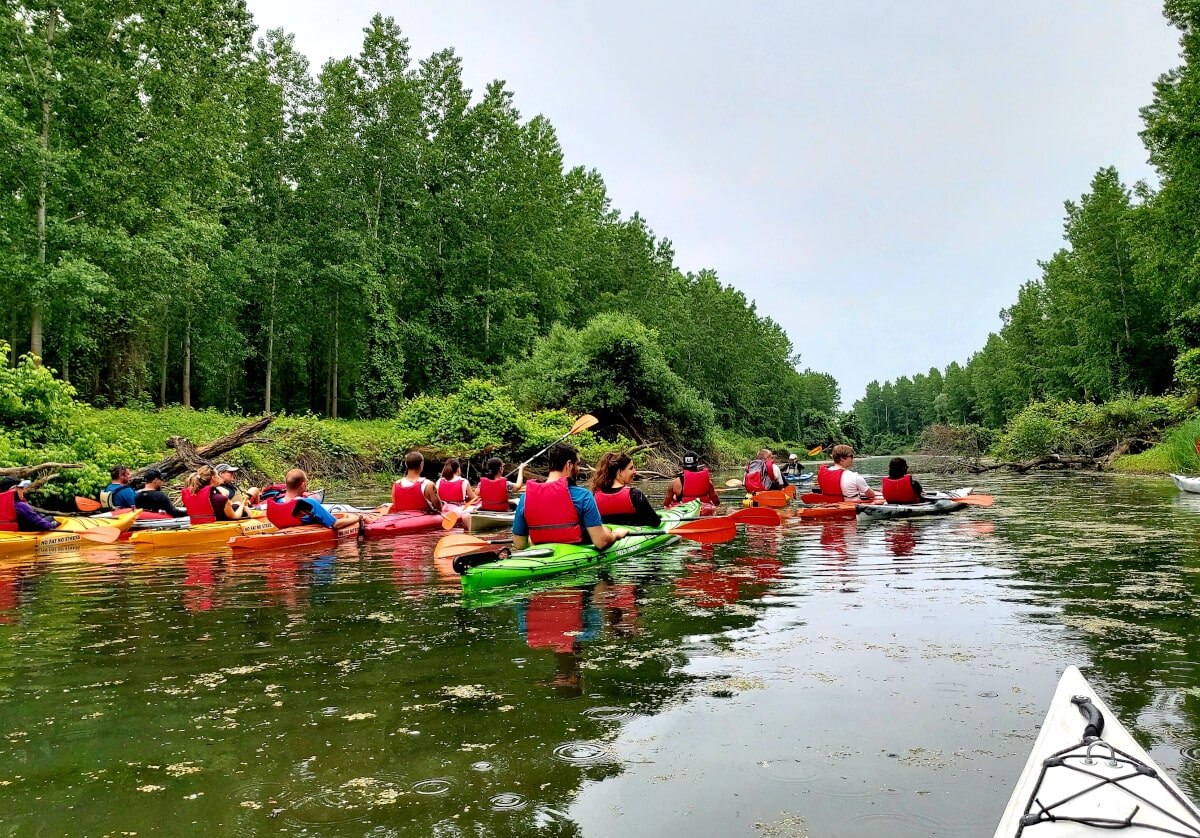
x=815, y=451
x=974, y=500
x=86, y=504
x=450, y=518
x=754, y=516
x=584, y=422
x=816, y=497
x=774, y=498
x=101, y=535
x=733, y=483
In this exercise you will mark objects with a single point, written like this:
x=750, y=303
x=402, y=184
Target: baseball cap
x=224, y=467
x=24, y=484
x=791, y=456
x=153, y=474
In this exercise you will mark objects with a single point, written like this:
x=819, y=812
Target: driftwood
x=188, y=457
x=45, y=472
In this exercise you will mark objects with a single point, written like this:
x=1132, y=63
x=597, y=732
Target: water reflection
x=352, y=691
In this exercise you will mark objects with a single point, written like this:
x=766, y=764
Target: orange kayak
x=198, y=536
x=292, y=537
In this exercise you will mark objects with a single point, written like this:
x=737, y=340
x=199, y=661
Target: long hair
x=607, y=468
x=494, y=467
x=450, y=468
x=204, y=476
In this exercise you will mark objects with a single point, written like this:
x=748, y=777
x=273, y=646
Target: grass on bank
x=1176, y=453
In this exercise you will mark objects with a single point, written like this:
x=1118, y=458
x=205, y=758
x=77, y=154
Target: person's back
x=413, y=493
x=153, y=499
x=899, y=486
x=118, y=494
x=554, y=511
x=616, y=498
x=762, y=474
x=849, y=484
x=294, y=509
x=692, y=483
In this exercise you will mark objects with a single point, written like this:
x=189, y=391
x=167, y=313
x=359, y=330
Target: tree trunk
x=162, y=379
x=337, y=304
x=187, y=364
x=188, y=457
x=35, y=318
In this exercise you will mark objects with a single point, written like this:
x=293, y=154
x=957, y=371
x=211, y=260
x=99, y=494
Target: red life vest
x=199, y=505
x=760, y=475
x=8, y=510
x=493, y=494
x=409, y=498
x=282, y=513
x=452, y=491
x=830, y=480
x=619, y=502
x=694, y=484
x=551, y=514
x=899, y=491
x=275, y=490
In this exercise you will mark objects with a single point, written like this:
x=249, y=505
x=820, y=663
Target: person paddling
x=693, y=482
x=557, y=511
x=412, y=492
x=838, y=479
x=294, y=509
x=494, y=489
x=118, y=494
x=16, y=515
x=899, y=486
x=616, y=498
x=762, y=475
x=452, y=487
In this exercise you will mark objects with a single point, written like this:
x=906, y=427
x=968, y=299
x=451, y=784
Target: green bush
x=1030, y=434
x=34, y=405
x=614, y=369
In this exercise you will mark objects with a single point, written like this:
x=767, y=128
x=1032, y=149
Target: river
x=878, y=678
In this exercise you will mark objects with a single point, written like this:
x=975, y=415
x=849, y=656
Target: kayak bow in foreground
x=1087, y=775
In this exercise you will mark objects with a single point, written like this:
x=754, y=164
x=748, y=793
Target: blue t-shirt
x=123, y=497
x=585, y=507
x=317, y=514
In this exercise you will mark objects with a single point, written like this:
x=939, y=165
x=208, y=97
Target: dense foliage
x=1114, y=312
x=187, y=216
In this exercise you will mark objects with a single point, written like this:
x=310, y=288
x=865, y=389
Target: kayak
x=707, y=508
x=401, y=523
x=481, y=520
x=797, y=479
x=1087, y=775
x=941, y=506
x=545, y=560
x=198, y=536
x=67, y=534
x=146, y=521
x=285, y=539
x=1187, y=484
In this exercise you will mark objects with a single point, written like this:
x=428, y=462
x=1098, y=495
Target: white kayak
x=940, y=503
x=1187, y=484
x=482, y=520
x=1087, y=776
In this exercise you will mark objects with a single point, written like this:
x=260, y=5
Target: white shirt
x=853, y=485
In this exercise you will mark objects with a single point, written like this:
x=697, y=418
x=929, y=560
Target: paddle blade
x=584, y=422
x=707, y=530
x=733, y=483
x=755, y=516
x=86, y=504
x=773, y=499
x=461, y=544
x=449, y=520
x=812, y=452
x=844, y=512
x=101, y=535
x=789, y=492
x=813, y=497
x=975, y=500
x=1198, y=445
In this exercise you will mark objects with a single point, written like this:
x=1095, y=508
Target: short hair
x=414, y=459
x=841, y=452
x=295, y=479
x=897, y=468
x=560, y=454
x=764, y=453
x=117, y=470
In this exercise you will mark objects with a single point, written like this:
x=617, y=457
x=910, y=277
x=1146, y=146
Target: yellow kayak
x=200, y=535
x=66, y=535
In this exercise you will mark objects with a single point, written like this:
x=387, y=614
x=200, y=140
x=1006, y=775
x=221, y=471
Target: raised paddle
x=86, y=504
x=584, y=422
x=812, y=452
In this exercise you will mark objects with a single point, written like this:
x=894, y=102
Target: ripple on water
x=546, y=816
x=257, y=802
x=508, y=801
x=904, y=823
x=352, y=801
x=610, y=714
x=582, y=753
x=786, y=770
x=432, y=786
x=482, y=765
x=1191, y=754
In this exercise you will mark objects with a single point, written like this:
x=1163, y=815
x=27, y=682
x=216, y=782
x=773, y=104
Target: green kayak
x=552, y=559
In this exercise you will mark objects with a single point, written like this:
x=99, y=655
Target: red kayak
x=291, y=537
x=402, y=523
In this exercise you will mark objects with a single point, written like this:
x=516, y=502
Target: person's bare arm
x=431, y=497
x=520, y=542
x=674, y=491
x=603, y=537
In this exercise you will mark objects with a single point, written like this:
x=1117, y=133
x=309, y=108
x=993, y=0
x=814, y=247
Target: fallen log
x=188, y=457
x=25, y=472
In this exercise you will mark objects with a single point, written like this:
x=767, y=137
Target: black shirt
x=643, y=515
x=155, y=500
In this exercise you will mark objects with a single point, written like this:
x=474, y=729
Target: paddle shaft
x=538, y=454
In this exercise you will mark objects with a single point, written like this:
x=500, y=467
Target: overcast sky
x=880, y=177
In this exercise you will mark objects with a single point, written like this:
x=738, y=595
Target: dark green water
x=836, y=680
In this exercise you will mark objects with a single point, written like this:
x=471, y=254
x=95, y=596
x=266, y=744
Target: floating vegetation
x=787, y=826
